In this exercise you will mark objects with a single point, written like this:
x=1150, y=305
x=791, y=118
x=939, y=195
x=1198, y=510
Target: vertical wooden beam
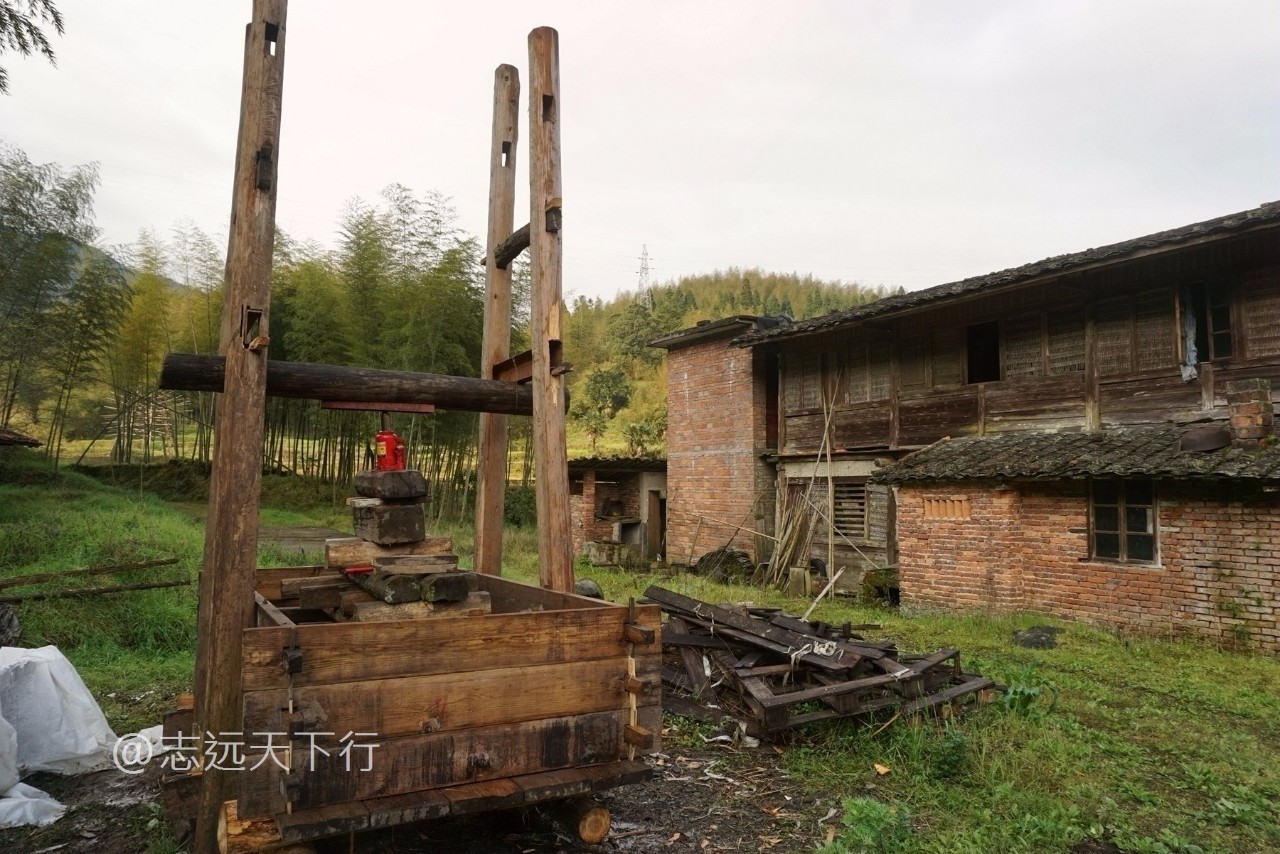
x=491, y=471
x=1092, y=396
x=555, y=546
x=231, y=532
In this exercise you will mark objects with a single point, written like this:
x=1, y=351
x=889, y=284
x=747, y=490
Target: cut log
x=418, y=564
x=392, y=589
x=583, y=818
x=353, y=551
x=446, y=587
x=188, y=372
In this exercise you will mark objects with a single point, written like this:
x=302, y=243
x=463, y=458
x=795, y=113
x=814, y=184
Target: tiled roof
x=1129, y=452
x=1268, y=213
x=617, y=464
x=13, y=437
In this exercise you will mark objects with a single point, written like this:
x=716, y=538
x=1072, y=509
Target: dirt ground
x=706, y=797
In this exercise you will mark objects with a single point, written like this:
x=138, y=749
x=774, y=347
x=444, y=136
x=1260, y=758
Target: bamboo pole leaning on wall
x=491, y=468
x=231, y=532
x=555, y=545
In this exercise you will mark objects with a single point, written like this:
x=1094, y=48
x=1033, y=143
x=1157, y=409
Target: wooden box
x=550, y=695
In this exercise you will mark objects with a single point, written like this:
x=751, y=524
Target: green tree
x=607, y=389
x=20, y=30
x=46, y=220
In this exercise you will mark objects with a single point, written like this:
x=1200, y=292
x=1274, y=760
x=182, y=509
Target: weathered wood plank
x=343, y=552
x=398, y=707
x=347, y=652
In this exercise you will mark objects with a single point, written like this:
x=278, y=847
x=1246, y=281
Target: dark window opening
x=1211, y=308
x=1122, y=516
x=982, y=348
x=506, y=153
x=272, y=35
x=548, y=108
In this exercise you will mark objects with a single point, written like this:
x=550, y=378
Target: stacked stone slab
x=393, y=560
x=389, y=510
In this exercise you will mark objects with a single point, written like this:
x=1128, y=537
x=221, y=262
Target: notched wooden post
x=555, y=545
x=226, y=598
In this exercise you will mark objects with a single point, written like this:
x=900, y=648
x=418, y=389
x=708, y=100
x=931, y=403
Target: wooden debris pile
x=776, y=671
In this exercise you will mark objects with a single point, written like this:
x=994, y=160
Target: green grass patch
x=1153, y=745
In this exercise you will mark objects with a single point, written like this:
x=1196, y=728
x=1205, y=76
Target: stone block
x=389, y=524
x=404, y=485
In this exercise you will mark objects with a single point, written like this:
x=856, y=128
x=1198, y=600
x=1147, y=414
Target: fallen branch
x=92, y=591
x=21, y=580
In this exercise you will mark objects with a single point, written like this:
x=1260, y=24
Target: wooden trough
x=352, y=726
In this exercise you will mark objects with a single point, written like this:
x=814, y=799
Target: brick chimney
x=1252, y=415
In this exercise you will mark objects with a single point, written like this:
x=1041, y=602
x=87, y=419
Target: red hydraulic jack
x=389, y=448
x=390, y=453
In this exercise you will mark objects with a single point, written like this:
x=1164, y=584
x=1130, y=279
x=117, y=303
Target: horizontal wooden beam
x=188, y=372
x=508, y=250
x=363, y=406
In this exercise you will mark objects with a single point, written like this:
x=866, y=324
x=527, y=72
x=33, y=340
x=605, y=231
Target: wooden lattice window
x=850, y=507
x=1122, y=516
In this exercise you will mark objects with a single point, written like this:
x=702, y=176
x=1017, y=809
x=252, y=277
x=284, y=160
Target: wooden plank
x=329, y=821
x=393, y=810
x=347, y=652
x=365, y=406
x=970, y=686
x=398, y=707
x=777, y=638
x=491, y=464
x=343, y=552
x=432, y=760
x=268, y=614
x=226, y=604
x=483, y=797
x=555, y=545
x=509, y=596
x=474, y=606
x=270, y=579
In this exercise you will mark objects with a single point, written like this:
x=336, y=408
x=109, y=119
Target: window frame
x=1122, y=505
x=1205, y=296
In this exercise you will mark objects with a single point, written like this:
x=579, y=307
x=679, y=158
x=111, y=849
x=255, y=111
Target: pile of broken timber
x=775, y=671
x=392, y=570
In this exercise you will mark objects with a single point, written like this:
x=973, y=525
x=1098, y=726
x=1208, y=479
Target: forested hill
x=618, y=385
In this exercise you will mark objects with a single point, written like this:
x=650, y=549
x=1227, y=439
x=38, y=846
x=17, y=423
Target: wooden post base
x=581, y=817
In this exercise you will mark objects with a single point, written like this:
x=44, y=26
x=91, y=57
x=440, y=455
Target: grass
x=1151, y=744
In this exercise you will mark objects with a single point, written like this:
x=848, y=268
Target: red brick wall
x=584, y=526
x=1027, y=549
x=715, y=431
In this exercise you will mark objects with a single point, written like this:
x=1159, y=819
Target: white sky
x=894, y=143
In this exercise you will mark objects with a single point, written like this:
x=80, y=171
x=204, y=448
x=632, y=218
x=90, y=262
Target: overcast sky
x=893, y=143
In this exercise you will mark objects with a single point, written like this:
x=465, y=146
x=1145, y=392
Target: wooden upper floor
x=1146, y=335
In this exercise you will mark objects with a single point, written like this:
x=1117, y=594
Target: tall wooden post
x=231, y=533
x=555, y=546
x=491, y=471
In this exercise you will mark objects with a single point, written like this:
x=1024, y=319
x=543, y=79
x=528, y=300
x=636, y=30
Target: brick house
x=618, y=501
x=1068, y=436
x=722, y=427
